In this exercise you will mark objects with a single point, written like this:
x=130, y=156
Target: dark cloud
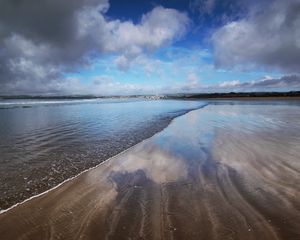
x=39, y=40
x=268, y=38
x=42, y=40
x=49, y=21
x=46, y=25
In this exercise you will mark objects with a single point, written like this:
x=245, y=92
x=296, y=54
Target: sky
x=118, y=47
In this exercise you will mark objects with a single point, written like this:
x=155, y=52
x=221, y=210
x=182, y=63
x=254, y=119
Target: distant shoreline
x=230, y=95
x=240, y=95
x=295, y=98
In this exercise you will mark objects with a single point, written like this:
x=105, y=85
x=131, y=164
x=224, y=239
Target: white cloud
x=267, y=83
x=269, y=38
x=159, y=27
x=40, y=57
x=123, y=63
x=192, y=83
x=230, y=84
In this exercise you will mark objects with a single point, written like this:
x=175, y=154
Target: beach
x=225, y=171
x=50, y=141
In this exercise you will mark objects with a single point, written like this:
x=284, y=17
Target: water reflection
x=43, y=145
x=159, y=165
x=221, y=172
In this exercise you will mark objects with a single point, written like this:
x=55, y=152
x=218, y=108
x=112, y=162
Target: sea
x=45, y=142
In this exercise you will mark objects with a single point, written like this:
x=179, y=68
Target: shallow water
x=220, y=172
x=50, y=141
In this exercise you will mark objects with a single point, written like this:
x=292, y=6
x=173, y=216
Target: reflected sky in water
x=49, y=141
x=170, y=154
x=218, y=172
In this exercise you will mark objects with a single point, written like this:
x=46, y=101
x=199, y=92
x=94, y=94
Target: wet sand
x=221, y=172
x=44, y=145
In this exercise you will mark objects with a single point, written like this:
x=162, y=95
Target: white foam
x=69, y=179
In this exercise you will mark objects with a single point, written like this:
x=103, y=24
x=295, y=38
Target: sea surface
x=44, y=142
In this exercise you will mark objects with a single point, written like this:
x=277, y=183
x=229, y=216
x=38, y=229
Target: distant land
x=291, y=94
x=247, y=95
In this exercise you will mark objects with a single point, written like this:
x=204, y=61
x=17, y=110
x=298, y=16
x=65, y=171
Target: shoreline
x=177, y=180
x=200, y=96
x=292, y=98
x=69, y=142
x=67, y=180
x=103, y=162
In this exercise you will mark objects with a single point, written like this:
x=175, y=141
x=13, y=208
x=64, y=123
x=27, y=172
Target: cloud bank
x=41, y=41
x=53, y=47
x=104, y=85
x=267, y=83
x=269, y=38
x=285, y=83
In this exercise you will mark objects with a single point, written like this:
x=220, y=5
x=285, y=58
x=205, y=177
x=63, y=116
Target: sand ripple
x=222, y=172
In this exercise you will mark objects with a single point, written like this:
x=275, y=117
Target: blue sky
x=171, y=67
x=119, y=47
